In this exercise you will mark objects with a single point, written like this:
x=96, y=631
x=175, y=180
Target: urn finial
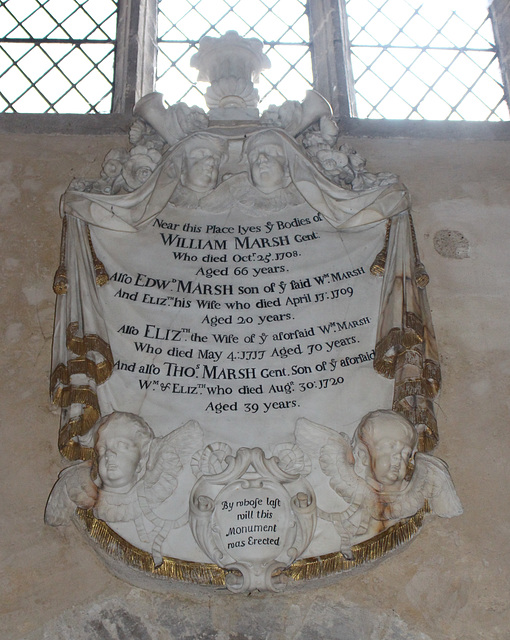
x=231, y=64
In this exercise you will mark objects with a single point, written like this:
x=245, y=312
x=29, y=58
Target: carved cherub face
x=201, y=164
x=268, y=163
x=390, y=441
x=122, y=448
x=390, y=457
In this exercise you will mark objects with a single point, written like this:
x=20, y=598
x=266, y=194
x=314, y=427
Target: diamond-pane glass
x=416, y=59
x=282, y=25
x=57, y=56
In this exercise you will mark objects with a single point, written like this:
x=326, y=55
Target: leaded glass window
x=425, y=60
x=403, y=59
x=57, y=56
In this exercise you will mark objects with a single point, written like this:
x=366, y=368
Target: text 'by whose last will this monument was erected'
x=243, y=351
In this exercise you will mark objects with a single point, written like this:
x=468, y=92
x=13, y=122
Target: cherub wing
x=186, y=440
x=167, y=457
x=333, y=451
x=312, y=436
x=74, y=488
x=441, y=494
x=431, y=481
x=337, y=462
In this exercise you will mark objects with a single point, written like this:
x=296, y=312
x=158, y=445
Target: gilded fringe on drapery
x=367, y=551
x=205, y=573
x=406, y=349
x=405, y=346
x=82, y=358
x=173, y=568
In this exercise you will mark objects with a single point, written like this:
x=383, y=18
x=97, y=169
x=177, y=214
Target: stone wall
x=451, y=582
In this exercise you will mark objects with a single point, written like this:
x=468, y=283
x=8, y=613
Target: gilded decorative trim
x=210, y=574
x=89, y=342
x=379, y=264
x=58, y=375
x=64, y=393
x=172, y=568
x=413, y=357
x=66, y=396
x=424, y=420
x=410, y=387
x=412, y=321
x=389, y=347
x=60, y=281
x=78, y=425
x=97, y=371
x=427, y=380
x=421, y=276
x=422, y=389
x=376, y=547
x=432, y=374
x=427, y=441
x=99, y=269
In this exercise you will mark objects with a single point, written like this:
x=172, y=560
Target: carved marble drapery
x=168, y=501
x=78, y=311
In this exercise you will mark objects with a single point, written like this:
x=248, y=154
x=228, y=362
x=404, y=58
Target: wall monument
x=243, y=351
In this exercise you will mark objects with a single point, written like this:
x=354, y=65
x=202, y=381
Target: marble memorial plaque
x=243, y=350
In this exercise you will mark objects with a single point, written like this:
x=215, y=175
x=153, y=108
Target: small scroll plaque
x=260, y=520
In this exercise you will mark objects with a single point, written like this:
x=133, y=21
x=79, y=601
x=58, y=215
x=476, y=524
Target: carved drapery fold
x=406, y=348
x=201, y=197
x=80, y=329
x=82, y=358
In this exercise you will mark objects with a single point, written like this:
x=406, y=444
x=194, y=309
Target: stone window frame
x=135, y=69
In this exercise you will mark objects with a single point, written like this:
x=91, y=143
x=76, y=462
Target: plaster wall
x=451, y=582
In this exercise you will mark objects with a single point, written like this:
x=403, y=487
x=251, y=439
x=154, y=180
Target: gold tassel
x=394, y=343
x=420, y=274
x=100, y=271
x=60, y=278
x=379, y=264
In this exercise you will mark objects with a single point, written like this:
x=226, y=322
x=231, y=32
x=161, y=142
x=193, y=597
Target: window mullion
x=136, y=50
x=499, y=12
x=331, y=55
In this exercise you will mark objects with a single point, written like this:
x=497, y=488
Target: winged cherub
x=136, y=474
x=381, y=477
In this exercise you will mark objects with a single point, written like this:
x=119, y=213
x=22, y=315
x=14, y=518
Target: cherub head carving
x=269, y=169
x=383, y=444
x=122, y=446
x=201, y=161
